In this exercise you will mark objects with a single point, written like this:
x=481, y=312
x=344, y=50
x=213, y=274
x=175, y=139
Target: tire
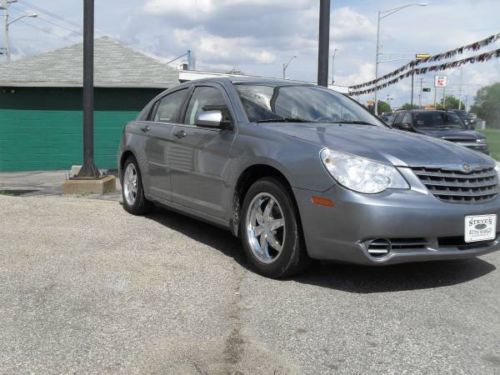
x=134, y=200
x=282, y=252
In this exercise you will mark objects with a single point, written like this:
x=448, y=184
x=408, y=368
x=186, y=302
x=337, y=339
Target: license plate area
x=480, y=228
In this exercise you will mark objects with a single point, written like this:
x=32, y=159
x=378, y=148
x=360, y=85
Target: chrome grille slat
x=486, y=183
x=456, y=174
x=459, y=187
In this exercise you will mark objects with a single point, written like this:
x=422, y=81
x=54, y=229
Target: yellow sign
x=422, y=56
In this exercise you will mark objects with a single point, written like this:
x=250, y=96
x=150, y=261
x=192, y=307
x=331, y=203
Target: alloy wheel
x=265, y=225
x=130, y=181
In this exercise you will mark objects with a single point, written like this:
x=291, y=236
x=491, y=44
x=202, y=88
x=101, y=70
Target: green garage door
x=41, y=129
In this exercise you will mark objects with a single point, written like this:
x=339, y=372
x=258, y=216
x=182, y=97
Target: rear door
x=199, y=156
x=166, y=113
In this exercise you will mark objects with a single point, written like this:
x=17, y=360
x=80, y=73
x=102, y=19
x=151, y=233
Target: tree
x=408, y=106
x=486, y=105
x=451, y=102
x=383, y=107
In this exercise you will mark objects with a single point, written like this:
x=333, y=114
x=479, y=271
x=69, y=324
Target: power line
x=60, y=26
x=27, y=4
x=45, y=31
x=42, y=18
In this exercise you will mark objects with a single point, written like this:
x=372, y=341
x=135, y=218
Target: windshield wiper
x=283, y=119
x=353, y=122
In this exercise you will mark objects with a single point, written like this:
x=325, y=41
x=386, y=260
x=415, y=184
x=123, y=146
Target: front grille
x=461, y=140
x=408, y=243
x=460, y=187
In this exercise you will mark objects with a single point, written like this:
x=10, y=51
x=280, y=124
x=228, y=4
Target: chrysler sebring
x=300, y=172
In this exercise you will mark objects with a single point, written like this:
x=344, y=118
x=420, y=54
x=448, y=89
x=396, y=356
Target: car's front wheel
x=134, y=200
x=270, y=230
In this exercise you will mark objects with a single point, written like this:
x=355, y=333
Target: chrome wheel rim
x=130, y=181
x=265, y=225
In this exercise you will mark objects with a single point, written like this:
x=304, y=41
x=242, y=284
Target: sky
x=258, y=36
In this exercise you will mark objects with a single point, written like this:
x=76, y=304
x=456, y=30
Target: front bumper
x=421, y=226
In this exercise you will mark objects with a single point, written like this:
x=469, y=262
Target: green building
x=41, y=104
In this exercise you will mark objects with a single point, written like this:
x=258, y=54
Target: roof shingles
x=115, y=65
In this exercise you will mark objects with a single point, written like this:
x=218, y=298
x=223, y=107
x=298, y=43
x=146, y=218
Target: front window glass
x=437, y=120
x=301, y=103
x=169, y=106
x=206, y=98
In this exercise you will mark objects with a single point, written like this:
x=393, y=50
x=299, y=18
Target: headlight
x=497, y=168
x=360, y=174
x=481, y=140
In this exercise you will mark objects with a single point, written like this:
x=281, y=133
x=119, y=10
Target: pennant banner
x=483, y=57
x=445, y=55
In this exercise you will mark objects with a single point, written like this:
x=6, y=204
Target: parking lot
x=87, y=288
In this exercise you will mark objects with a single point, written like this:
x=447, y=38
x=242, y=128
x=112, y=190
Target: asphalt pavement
x=87, y=288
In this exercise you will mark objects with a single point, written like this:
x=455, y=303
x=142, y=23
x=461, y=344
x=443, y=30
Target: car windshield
x=301, y=103
x=437, y=120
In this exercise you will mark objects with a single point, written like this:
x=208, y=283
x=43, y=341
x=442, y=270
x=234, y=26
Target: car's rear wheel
x=134, y=200
x=270, y=230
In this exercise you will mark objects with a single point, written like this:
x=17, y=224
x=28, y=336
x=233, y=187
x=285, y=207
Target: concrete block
x=103, y=185
x=75, y=169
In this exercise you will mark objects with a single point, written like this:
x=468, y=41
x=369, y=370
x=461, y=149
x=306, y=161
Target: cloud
x=257, y=36
x=223, y=50
x=349, y=25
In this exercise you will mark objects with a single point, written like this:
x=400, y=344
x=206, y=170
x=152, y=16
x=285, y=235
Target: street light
x=285, y=66
x=381, y=15
x=7, y=25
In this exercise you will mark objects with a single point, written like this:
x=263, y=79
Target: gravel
x=87, y=288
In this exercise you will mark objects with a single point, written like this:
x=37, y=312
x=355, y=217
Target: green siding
x=41, y=129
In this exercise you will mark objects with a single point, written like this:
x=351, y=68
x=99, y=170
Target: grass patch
x=493, y=138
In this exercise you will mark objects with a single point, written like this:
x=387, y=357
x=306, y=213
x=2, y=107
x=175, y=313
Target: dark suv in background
x=440, y=124
x=466, y=117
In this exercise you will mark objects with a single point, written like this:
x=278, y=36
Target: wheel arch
x=249, y=176
x=124, y=156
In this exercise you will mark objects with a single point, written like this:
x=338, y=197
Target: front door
x=199, y=156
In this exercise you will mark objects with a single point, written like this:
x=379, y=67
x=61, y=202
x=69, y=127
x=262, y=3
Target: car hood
x=452, y=134
x=386, y=145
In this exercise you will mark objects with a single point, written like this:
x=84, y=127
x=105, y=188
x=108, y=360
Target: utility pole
x=324, y=42
x=88, y=170
x=412, y=84
x=285, y=66
x=5, y=7
x=420, y=93
x=460, y=92
x=333, y=65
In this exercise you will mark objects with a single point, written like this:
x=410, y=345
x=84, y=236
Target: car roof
x=250, y=80
x=423, y=110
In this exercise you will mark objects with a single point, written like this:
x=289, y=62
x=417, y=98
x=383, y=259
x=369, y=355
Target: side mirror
x=406, y=126
x=212, y=119
x=209, y=119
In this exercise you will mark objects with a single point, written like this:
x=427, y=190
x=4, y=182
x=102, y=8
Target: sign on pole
x=440, y=81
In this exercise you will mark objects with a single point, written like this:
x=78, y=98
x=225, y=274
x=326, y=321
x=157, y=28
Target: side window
x=397, y=118
x=168, y=108
x=407, y=118
x=206, y=98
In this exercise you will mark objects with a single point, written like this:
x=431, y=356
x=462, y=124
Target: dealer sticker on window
x=480, y=228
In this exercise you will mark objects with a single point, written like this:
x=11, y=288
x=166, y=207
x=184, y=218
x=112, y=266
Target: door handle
x=180, y=134
x=145, y=128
